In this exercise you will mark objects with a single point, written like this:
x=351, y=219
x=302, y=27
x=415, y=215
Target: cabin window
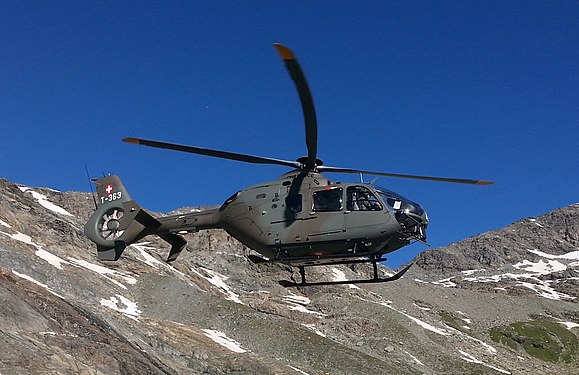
x=294, y=203
x=360, y=198
x=328, y=200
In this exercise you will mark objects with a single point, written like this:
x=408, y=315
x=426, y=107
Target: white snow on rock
x=541, y=267
x=51, y=258
x=299, y=303
x=445, y=282
x=223, y=340
x=573, y=255
x=144, y=256
x=312, y=327
x=569, y=325
x=44, y=202
x=104, y=272
x=40, y=252
x=3, y=223
x=470, y=358
x=470, y=272
x=116, y=303
x=26, y=277
x=24, y=238
x=424, y=325
x=339, y=275
x=532, y=270
x=298, y=370
x=422, y=307
x=542, y=288
x=218, y=280
x=415, y=359
x=293, y=298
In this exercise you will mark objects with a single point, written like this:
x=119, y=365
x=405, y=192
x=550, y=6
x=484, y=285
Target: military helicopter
x=300, y=219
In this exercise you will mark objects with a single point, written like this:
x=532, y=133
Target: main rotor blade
x=308, y=108
x=397, y=175
x=215, y=153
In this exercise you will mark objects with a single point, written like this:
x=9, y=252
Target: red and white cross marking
x=109, y=188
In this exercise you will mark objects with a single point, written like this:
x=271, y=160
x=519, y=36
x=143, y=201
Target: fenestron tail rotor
x=109, y=224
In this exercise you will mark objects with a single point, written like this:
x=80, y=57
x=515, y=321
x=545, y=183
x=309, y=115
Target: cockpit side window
x=360, y=198
x=294, y=203
x=328, y=200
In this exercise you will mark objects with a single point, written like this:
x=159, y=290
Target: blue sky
x=481, y=89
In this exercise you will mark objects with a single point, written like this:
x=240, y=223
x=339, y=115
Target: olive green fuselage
x=304, y=215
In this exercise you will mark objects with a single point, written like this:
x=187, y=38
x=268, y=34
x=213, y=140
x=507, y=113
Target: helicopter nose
x=413, y=221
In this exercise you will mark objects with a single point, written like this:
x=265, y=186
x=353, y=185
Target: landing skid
x=374, y=280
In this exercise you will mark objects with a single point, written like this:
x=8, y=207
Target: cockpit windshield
x=397, y=202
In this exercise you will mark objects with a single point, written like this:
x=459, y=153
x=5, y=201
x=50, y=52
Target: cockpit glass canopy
x=397, y=202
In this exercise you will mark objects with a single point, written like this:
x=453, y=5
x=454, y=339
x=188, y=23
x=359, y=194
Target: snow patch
x=445, y=282
x=3, y=223
x=218, y=280
x=223, y=340
x=491, y=349
x=298, y=303
x=541, y=267
x=542, y=288
x=469, y=358
x=424, y=325
x=51, y=258
x=414, y=358
x=298, y=370
x=339, y=276
x=534, y=269
x=145, y=256
x=116, y=303
x=293, y=298
x=470, y=272
x=26, y=277
x=21, y=237
x=572, y=255
x=312, y=327
x=422, y=307
x=40, y=252
x=44, y=202
x=569, y=325
x=104, y=272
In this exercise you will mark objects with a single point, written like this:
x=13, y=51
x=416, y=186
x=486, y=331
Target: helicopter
x=300, y=219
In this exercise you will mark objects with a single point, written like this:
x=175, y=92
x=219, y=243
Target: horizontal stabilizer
x=177, y=245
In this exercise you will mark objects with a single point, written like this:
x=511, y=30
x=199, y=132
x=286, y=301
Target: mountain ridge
x=213, y=311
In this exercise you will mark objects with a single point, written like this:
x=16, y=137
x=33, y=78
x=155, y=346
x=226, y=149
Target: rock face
x=501, y=302
x=532, y=256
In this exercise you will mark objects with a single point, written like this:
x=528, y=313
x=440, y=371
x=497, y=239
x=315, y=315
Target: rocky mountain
x=503, y=302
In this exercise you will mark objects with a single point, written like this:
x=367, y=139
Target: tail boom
x=119, y=221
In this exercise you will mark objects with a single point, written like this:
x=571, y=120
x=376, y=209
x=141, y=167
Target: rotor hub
x=304, y=160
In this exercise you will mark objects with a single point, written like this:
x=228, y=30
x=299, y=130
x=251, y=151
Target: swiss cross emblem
x=109, y=188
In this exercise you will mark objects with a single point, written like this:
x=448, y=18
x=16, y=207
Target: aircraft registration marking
x=111, y=197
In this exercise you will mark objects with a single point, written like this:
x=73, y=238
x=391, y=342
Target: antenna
x=361, y=178
x=91, y=188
